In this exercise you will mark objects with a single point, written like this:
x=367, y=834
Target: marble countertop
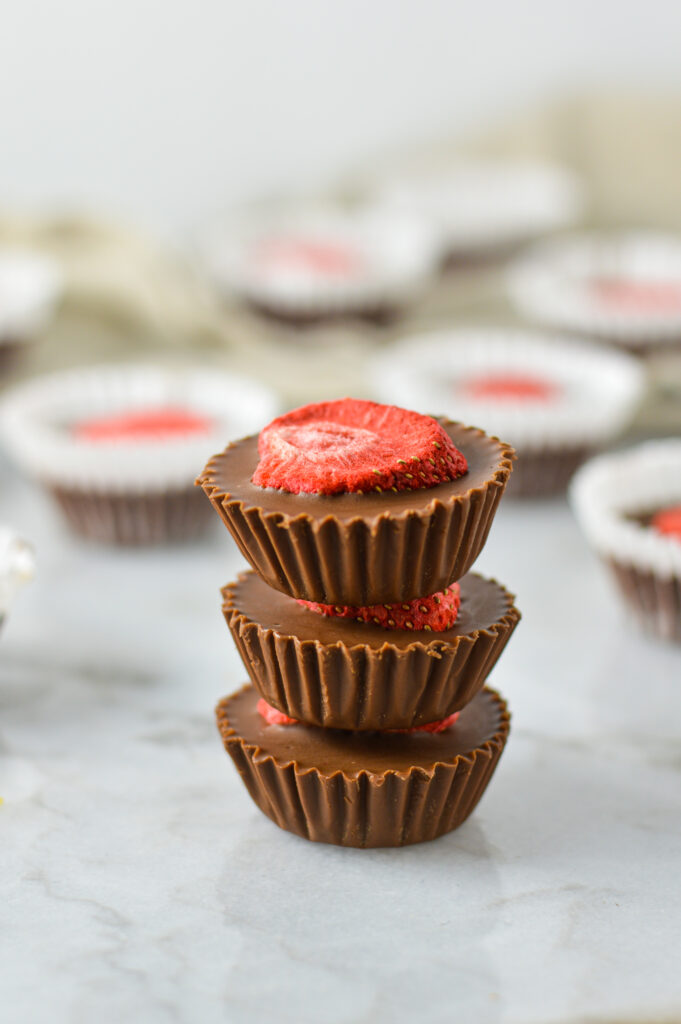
x=139, y=881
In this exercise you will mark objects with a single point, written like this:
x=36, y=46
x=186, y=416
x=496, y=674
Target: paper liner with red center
x=306, y=264
x=623, y=287
x=338, y=673
x=117, y=446
x=556, y=399
x=619, y=500
x=361, y=549
x=365, y=790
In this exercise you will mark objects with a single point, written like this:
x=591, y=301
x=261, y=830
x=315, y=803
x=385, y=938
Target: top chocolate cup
x=361, y=549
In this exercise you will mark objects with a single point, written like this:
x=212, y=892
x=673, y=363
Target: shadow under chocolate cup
x=333, y=672
x=361, y=549
x=365, y=789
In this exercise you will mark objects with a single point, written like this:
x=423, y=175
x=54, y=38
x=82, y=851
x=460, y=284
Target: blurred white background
x=161, y=113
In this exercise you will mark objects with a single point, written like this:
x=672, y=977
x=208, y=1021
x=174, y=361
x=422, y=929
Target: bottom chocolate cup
x=134, y=519
x=547, y=472
x=336, y=673
x=654, y=600
x=365, y=789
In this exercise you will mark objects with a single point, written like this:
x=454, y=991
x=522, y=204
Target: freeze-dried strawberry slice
x=274, y=717
x=433, y=614
x=324, y=258
x=668, y=521
x=142, y=425
x=509, y=387
x=637, y=296
x=353, y=446
x=440, y=726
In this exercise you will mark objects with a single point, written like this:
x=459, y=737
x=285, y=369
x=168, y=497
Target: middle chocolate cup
x=336, y=673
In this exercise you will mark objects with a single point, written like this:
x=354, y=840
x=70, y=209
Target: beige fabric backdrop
x=127, y=297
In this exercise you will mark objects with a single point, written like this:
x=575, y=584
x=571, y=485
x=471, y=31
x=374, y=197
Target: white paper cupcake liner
x=36, y=417
x=396, y=256
x=600, y=389
x=638, y=480
x=30, y=286
x=17, y=565
x=550, y=285
x=482, y=204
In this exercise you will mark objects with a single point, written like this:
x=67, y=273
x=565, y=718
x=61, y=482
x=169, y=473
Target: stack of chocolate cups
x=349, y=732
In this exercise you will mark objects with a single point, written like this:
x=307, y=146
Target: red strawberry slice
x=325, y=258
x=353, y=446
x=668, y=521
x=509, y=387
x=638, y=296
x=147, y=424
x=274, y=717
x=433, y=614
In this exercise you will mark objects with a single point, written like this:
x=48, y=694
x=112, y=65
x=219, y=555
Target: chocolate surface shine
x=335, y=750
x=483, y=603
x=235, y=467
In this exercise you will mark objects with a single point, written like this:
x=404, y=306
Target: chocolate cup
x=644, y=348
x=361, y=549
x=654, y=600
x=365, y=789
x=337, y=673
x=547, y=472
x=133, y=519
x=11, y=354
x=379, y=315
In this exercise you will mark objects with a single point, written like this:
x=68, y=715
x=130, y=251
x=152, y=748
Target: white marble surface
x=139, y=881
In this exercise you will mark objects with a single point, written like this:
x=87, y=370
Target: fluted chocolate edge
x=391, y=808
x=654, y=600
x=546, y=472
x=133, y=519
x=359, y=687
x=366, y=560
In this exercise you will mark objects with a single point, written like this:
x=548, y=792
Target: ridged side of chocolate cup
x=546, y=472
x=133, y=519
x=642, y=347
x=391, y=808
x=361, y=549
x=345, y=685
x=379, y=315
x=11, y=354
x=654, y=600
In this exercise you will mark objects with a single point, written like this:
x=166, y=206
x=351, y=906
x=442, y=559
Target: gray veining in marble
x=139, y=882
